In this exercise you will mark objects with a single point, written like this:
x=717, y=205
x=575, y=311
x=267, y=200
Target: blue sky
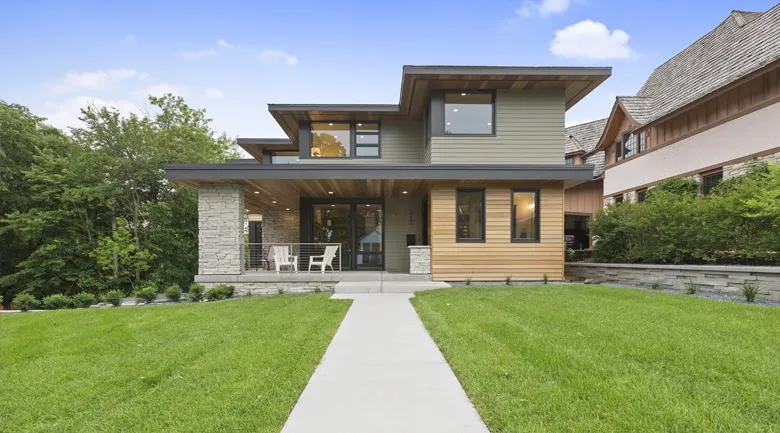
x=234, y=57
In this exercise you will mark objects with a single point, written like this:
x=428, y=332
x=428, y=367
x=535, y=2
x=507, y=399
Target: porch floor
x=345, y=276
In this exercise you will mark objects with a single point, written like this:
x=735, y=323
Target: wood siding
x=584, y=199
x=529, y=130
x=401, y=142
x=497, y=257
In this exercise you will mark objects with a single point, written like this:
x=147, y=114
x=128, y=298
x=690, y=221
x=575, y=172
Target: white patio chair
x=325, y=259
x=282, y=257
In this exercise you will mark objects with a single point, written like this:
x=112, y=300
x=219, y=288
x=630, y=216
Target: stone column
x=419, y=259
x=220, y=229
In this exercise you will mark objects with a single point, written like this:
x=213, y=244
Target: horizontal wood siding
x=584, y=199
x=498, y=257
x=401, y=142
x=529, y=130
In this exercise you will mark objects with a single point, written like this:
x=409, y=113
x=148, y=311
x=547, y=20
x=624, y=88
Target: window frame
x=537, y=216
x=569, y=160
x=707, y=174
x=444, y=132
x=483, y=238
x=618, y=151
x=352, y=140
x=618, y=198
x=629, y=145
x=641, y=195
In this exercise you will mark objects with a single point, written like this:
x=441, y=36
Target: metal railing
x=263, y=257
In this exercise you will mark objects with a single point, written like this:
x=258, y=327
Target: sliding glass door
x=356, y=226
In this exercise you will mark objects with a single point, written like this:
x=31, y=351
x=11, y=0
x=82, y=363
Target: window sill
x=526, y=241
x=469, y=241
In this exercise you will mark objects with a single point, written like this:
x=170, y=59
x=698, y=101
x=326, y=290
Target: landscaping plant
x=173, y=293
x=219, y=292
x=83, y=300
x=545, y=278
x=690, y=287
x=114, y=297
x=750, y=290
x=25, y=302
x=146, y=294
x=56, y=302
x=468, y=281
x=655, y=285
x=508, y=280
x=195, y=294
x=280, y=291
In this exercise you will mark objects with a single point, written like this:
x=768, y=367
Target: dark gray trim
x=436, y=118
x=241, y=161
x=266, y=141
x=254, y=171
x=484, y=216
x=492, y=109
x=304, y=139
x=267, y=157
x=506, y=70
x=537, y=215
x=334, y=107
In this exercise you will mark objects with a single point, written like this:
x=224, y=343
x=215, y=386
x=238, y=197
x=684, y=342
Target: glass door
x=368, y=234
x=333, y=225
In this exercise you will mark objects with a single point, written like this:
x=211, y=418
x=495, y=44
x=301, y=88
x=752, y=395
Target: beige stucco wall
x=529, y=130
x=753, y=133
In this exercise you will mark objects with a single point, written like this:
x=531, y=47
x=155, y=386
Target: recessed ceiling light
x=404, y=192
x=333, y=205
x=455, y=110
x=360, y=124
x=274, y=202
x=330, y=192
x=330, y=124
x=489, y=123
x=449, y=123
x=287, y=208
x=368, y=205
x=257, y=192
x=463, y=94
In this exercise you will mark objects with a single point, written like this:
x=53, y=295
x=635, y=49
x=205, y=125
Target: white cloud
x=65, y=114
x=224, y=44
x=544, y=7
x=95, y=80
x=144, y=76
x=161, y=89
x=196, y=54
x=275, y=56
x=213, y=93
x=591, y=40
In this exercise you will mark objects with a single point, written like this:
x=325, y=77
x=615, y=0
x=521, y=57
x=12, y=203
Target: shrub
x=468, y=281
x=655, y=285
x=195, y=293
x=83, y=300
x=25, y=302
x=216, y=293
x=508, y=280
x=749, y=291
x=546, y=278
x=56, y=302
x=173, y=293
x=316, y=290
x=680, y=187
x=690, y=287
x=114, y=297
x=146, y=294
x=228, y=290
x=280, y=291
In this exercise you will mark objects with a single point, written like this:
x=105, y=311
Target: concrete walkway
x=383, y=373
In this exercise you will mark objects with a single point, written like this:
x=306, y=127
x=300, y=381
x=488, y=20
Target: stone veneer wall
x=419, y=259
x=741, y=168
x=272, y=288
x=717, y=279
x=220, y=229
x=281, y=227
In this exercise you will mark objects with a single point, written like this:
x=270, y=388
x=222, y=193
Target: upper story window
x=569, y=160
x=642, y=138
x=344, y=140
x=284, y=157
x=629, y=145
x=469, y=113
x=618, y=151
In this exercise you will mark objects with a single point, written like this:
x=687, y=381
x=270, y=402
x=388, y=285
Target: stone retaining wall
x=716, y=279
x=263, y=288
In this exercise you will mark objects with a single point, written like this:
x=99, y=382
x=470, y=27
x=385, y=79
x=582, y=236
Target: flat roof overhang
x=418, y=81
x=256, y=146
x=279, y=187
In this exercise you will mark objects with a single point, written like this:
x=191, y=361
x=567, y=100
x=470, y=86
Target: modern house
x=582, y=201
x=708, y=113
x=463, y=178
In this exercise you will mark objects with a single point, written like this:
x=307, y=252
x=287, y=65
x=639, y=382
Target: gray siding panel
x=403, y=216
x=401, y=141
x=529, y=130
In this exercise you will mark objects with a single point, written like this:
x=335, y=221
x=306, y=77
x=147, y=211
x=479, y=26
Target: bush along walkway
x=383, y=373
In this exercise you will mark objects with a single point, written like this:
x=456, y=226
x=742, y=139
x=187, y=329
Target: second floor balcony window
x=469, y=113
x=330, y=140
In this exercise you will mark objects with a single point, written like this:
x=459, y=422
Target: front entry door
x=357, y=227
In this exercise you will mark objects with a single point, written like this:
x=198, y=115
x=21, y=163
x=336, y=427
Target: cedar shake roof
x=743, y=43
x=584, y=138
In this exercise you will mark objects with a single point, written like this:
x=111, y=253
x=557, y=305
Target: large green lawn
x=229, y=366
x=599, y=359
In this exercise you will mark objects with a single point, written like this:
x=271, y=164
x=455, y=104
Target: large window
x=525, y=215
x=367, y=140
x=710, y=181
x=468, y=113
x=330, y=140
x=470, y=208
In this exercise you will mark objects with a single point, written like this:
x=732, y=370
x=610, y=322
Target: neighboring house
x=467, y=170
x=582, y=201
x=708, y=113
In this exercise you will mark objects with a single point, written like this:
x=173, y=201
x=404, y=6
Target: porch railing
x=261, y=257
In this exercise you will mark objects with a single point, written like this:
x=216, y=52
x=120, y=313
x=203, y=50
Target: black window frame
x=641, y=141
x=352, y=139
x=618, y=150
x=629, y=145
x=618, y=198
x=707, y=189
x=458, y=239
x=537, y=216
x=641, y=195
x=569, y=160
x=444, y=132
